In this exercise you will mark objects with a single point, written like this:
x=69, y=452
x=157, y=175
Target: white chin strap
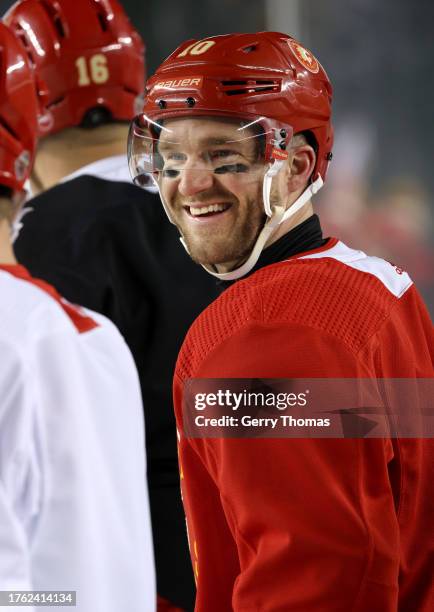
x=276, y=217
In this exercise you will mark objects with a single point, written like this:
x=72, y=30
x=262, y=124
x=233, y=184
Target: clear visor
x=193, y=146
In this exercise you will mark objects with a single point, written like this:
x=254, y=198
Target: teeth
x=203, y=210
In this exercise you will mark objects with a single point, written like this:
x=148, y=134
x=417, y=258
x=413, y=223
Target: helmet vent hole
x=31, y=59
x=249, y=49
x=21, y=34
x=55, y=102
x=231, y=83
x=102, y=22
x=237, y=88
x=8, y=128
x=52, y=11
x=59, y=27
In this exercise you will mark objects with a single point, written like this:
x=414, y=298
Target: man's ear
x=301, y=166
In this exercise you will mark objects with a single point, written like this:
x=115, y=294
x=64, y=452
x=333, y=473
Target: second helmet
x=85, y=54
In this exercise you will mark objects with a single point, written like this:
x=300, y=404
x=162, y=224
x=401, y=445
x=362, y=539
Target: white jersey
x=73, y=497
x=114, y=168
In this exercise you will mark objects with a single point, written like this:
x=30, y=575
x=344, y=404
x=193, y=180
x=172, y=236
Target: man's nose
x=195, y=180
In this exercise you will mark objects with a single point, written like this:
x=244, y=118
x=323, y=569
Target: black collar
x=303, y=237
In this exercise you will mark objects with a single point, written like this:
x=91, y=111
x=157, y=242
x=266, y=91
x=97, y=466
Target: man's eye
x=234, y=168
x=170, y=173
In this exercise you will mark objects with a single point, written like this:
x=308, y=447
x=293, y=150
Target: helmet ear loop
x=277, y=151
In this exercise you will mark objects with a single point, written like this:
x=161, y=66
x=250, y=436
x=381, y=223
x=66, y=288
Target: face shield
x=195, y=148
x=189, y=157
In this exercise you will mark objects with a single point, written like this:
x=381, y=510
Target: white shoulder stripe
x=393, y=278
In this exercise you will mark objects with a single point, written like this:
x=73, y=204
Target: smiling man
x=236, y=130
x=219, y=223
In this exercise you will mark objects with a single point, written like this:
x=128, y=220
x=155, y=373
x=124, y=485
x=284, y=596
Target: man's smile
x=202, y=211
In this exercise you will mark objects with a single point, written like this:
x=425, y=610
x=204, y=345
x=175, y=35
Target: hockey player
x=73, y=501
x=103, y=242
x=237, y=132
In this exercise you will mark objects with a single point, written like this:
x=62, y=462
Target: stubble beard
x=234, y=247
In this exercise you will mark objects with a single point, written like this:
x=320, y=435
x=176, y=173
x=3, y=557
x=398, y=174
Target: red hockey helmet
x=265, y=77
x=18, y=112
x=85, y=53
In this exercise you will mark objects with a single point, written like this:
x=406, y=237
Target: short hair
x=5, y=192
x=96, y=116
x=306, y=138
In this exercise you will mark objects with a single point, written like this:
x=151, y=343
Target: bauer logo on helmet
x=181, y=83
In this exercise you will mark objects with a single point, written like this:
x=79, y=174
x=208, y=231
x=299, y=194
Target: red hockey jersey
x=311, y=525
